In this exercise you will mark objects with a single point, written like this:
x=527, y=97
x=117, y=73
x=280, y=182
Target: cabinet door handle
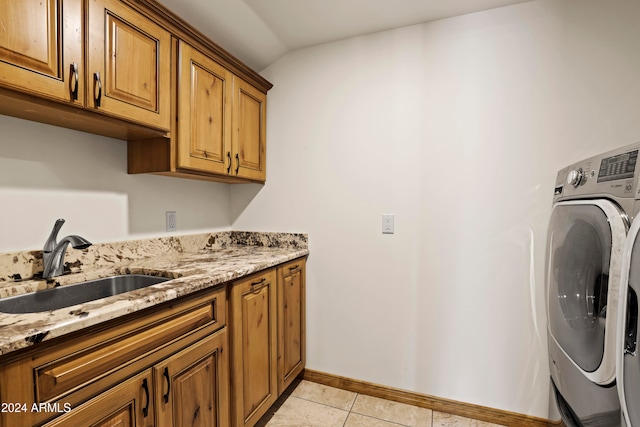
x=259, y=282
x=166, y=376
x=145, y=386
x=74, y=78
x=237, y=163
x=229, y=157
x=98, y=82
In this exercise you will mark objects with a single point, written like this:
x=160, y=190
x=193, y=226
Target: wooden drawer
x=122, y=345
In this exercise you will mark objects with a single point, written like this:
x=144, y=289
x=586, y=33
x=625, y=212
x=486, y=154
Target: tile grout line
x=354, y=402
x=349, y=411
x=319, y=403
x=375, y=418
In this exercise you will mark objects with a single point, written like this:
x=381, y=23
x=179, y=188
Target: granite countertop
x=192, y=262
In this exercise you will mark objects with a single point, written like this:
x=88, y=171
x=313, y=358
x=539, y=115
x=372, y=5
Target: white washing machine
x=594, y=204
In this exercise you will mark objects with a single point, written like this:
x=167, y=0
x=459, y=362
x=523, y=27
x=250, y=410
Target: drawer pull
x=145, y=387
x=295, y=267
x=259, y=282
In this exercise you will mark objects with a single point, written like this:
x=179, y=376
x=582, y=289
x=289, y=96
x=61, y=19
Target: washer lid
x=584, y=248
x=628, y=366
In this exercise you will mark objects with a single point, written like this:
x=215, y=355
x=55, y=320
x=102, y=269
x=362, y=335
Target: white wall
x=458, y=127
x=47, y=172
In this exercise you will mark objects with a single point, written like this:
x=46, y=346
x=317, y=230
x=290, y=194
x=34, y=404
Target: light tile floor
x=308, y=404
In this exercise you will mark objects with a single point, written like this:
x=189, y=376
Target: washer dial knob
x=574, y=177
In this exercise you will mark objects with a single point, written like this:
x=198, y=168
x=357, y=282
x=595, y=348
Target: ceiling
x=260, y=31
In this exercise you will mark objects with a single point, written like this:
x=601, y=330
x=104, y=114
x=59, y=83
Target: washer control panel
x=621, y=166
x=613, y=173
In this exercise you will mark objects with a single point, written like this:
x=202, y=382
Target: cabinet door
x=291, y=322
x=128, y=404
x=193, y=385
x=249, y=131
x=204, y=138
x=41, y=48
x=129, y=64
x=254, y=347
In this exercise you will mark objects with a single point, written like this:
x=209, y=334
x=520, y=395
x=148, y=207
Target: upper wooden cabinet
x=133, y=70
x=127, y=74
x=41, y=49
x=129, y=64
x=204, y=116
x=220, y=128
x=248, y=143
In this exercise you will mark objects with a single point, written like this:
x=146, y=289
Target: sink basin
x=66, y=296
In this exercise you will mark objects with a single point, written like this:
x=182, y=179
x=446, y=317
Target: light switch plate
x=171, y=221
x=387, y=223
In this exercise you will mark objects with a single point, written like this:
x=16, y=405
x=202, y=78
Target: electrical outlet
x=171, y=221
x=387, y=223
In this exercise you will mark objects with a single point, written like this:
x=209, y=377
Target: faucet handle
x=50, y=244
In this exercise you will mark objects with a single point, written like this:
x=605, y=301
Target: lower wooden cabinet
x=193, y=385
x=267, y=338
x=82, y=369
x=183, y=363
x=128, y=404
x=187, y=389
x=291, y=322
x=253, y=347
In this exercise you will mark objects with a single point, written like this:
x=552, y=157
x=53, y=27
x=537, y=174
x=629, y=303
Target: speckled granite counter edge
x=21, y=272
x=223, y=258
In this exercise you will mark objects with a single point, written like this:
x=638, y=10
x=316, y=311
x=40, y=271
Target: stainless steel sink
x=66, y=296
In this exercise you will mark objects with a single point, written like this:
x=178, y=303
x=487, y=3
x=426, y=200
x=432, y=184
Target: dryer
x=628, y=363
x=594, y=203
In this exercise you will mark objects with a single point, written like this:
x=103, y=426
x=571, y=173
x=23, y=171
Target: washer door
x=584, y=250
x=628, y=367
